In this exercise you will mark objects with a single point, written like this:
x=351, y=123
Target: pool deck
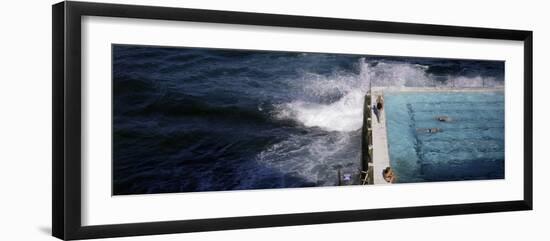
x=380, y=154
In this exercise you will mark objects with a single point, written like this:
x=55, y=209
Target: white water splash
x=346, y=113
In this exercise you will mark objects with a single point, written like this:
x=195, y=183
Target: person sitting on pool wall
x=388, y=175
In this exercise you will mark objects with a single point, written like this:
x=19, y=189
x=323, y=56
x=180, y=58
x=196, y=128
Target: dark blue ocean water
x=192, y=119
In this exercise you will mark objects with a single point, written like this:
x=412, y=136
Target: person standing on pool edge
x=380, y=102
x=376, y=113
x=377, y=109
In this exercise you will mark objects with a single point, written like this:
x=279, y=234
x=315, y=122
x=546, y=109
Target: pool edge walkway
x=380, y=154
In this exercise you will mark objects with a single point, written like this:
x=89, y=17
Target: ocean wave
x=335, y=102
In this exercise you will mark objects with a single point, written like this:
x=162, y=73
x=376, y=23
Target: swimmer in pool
x=428, y=130
x=443, y=118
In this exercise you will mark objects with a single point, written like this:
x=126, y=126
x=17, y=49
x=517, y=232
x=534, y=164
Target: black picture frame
x=66, y=159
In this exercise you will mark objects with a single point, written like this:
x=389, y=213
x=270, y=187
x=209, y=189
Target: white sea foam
x=346, y=113
x=398, y=75
x=476, y=81
x=313, y=158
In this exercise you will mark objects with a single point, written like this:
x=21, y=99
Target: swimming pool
x=469, y=146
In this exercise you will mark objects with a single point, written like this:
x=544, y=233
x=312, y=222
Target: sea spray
x=342, y=114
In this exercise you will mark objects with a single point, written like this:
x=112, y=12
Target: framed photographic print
x=170, y=120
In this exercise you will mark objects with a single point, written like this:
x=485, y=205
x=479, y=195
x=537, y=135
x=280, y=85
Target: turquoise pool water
x=469, y=146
